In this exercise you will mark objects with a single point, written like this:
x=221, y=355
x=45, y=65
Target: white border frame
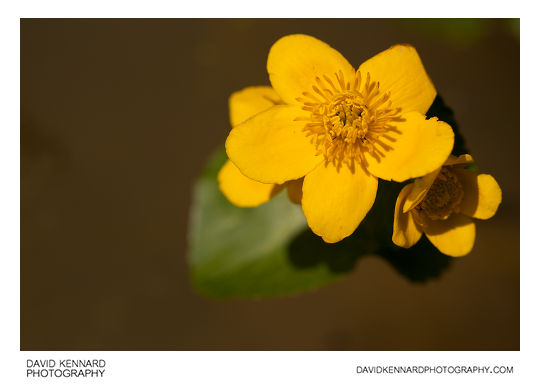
x=239, y=367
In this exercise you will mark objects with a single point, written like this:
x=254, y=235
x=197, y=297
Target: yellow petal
x=242, y=191
x=420, y=147
x=419, y=190
x=294, y=190
x=295, y=61
x=453, y=236
x=462, y=159
x=482, y=194
x=406, y=231
x=400, y=71
x=271, y=147
x=249, y=101
x=334, y=203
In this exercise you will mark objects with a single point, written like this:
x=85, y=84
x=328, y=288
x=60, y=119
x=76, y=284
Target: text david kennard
x=65, y=368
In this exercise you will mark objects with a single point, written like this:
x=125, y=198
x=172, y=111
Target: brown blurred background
x=119, y=116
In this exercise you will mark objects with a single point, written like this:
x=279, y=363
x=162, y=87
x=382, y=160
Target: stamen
x=350, y=119
x=357, y=80
x=443, y=197
x=329, y=81
x=320, y=93
x=311, y=96
x=341, y=80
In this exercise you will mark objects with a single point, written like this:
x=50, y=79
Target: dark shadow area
x=309, y=250
x=417, y=264
x=440, y=110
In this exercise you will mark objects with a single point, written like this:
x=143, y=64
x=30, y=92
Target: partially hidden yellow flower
x=441, y=205
x=237, y=188
x=340, y=129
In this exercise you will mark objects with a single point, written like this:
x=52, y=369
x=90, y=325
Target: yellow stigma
x=349, y=119
x=443, y=198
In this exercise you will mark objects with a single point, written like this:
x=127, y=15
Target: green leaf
x=244, y=252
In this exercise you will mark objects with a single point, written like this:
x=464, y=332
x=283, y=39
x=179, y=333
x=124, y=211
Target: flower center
x=443, y=198
x=349, y=119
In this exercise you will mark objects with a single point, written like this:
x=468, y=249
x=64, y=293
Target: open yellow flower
x=441, y=205
x=340, y=129
x=237, y=188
